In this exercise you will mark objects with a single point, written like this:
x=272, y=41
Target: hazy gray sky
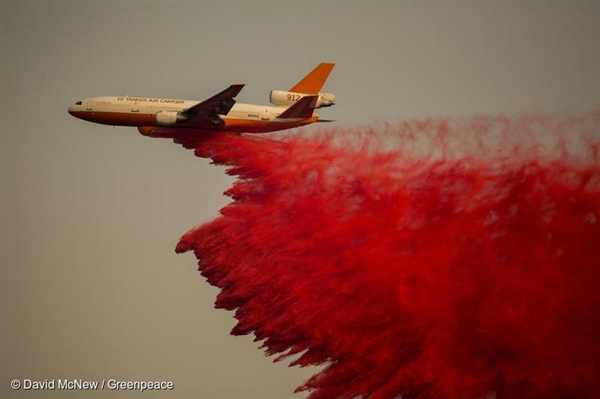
x=91, y=286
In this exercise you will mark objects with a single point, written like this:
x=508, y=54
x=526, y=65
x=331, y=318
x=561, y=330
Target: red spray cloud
x=451, y=259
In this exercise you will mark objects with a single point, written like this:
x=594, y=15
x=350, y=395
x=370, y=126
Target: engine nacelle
x=288, y=98
x=169, y=118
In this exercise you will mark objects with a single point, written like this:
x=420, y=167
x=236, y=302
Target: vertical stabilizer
x=314, y=81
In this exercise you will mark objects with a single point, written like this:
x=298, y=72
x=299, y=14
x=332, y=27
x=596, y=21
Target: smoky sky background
x=90, y=215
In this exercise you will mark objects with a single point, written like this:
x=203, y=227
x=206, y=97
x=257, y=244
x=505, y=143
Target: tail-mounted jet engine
x=287, y=98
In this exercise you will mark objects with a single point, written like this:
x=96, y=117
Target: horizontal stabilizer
x=303, y=108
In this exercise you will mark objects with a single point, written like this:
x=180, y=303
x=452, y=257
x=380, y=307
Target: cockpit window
x=78, y=103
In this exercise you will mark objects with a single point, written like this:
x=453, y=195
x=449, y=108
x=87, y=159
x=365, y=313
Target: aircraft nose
x=73, y=109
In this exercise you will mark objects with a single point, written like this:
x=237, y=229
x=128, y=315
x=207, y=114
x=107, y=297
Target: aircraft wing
x=206, y=113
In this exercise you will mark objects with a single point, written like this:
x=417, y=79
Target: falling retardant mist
x=452, y=258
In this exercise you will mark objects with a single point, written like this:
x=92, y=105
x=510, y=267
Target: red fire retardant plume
x=447, y=258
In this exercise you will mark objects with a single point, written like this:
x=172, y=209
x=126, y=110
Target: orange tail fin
x=314, y=81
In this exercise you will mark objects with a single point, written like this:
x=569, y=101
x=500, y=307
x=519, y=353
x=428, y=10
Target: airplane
x=180, y=119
